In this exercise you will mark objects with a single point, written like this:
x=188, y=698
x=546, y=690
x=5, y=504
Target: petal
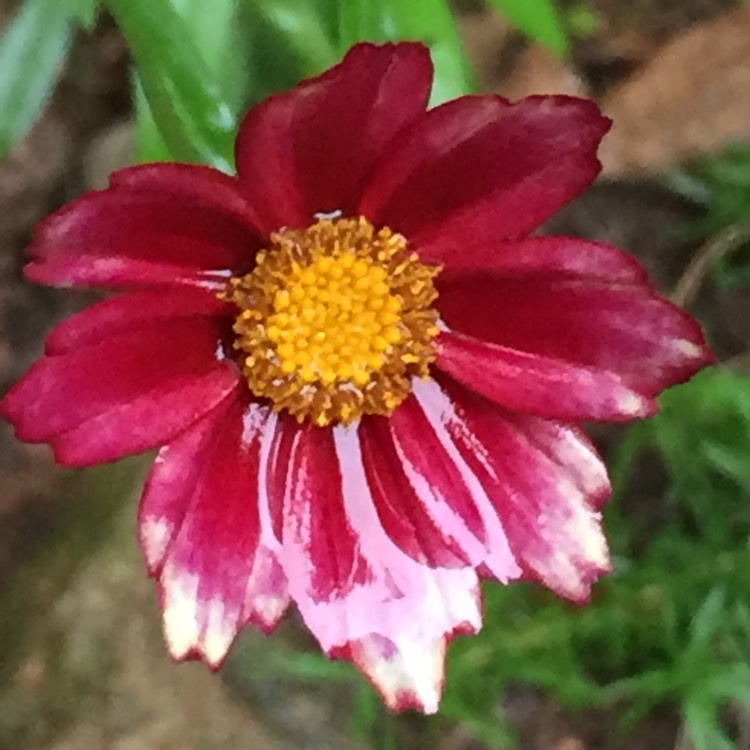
x=416, y=521
x=319, y=550
x=398, y=624
x=200, y=531
x=126, y=394
x=627, y=329
x=309, y=150
x=159, y=224
x=360, y=595
x=544, y=480
x=128, y=313
x=565, y=257
x=407, y=674
x=480, y=169
x=539, y=385
x=427, y=499
x=195, y=183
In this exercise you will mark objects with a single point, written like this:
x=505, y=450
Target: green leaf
x=31, y=53
x=213, y=30
x=539, y=20
x=358, y=21
x=86, y=12
x=300, y=25
x=188, y=103
x=703, y=726
x=297, y=38
x=149, y=145
x=430, y=21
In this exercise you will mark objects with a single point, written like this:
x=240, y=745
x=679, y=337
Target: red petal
x=309, y=150
x=198, y=184
x=627, y=330
x=160, y=224
x=545, y=482
x=319, y=550
x=563, y=257
x=479, y=169
x=171, y=483
x=123, y=395
x=136, y=311
x=538, y=384
x=201, y=533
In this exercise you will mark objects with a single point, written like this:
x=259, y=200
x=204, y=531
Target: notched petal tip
x=405, y=678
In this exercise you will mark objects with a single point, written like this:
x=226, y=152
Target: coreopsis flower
x=363, y=374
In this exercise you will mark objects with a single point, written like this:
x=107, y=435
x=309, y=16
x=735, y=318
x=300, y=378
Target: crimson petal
x=309, y=150
x=562, y=257
x=200, y=530
x=131, y=312
x=544, y=479
x=625, y=329
x=537, y=384
x=122, y=395
x=480, y=169
x=160, y=224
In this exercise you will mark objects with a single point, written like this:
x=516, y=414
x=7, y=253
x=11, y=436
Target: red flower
x=366, y=376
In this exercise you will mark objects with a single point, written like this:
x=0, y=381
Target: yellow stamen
x=335, y=321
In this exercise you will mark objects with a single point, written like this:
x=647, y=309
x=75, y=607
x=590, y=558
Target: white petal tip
x=689, y=349
x=193, y=627
x=155, y=535
x=630, y=404
x=407, y=677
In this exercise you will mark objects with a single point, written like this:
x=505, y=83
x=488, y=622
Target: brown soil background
x=82, y=662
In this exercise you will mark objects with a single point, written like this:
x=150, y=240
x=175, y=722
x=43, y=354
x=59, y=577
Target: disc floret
x=335, y=321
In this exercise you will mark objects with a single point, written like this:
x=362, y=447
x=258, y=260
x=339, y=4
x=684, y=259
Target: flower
x=364, y=376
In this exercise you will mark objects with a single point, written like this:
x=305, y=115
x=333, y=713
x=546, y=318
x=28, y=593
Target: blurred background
x=661, y=658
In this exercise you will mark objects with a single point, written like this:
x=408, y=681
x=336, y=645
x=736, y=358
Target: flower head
x=364, y=376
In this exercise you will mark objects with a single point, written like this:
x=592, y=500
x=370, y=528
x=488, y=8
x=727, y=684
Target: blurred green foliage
x=31, y=52
x=540, y=20
x=721, y=186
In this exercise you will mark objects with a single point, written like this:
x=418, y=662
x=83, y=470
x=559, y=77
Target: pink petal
x=358, y=593
x=123, y=395
x=397, y=625
x=319, y=549
x=201, y=534
x=309, y=150
x=543, y=478
x=160, y=224
x=128, y=313
x=537, y=384
x=480, y=169
x=415, y=526
x=427, y=499
x=625, y=329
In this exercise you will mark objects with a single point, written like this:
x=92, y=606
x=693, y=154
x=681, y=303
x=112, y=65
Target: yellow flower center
x=335, y=320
